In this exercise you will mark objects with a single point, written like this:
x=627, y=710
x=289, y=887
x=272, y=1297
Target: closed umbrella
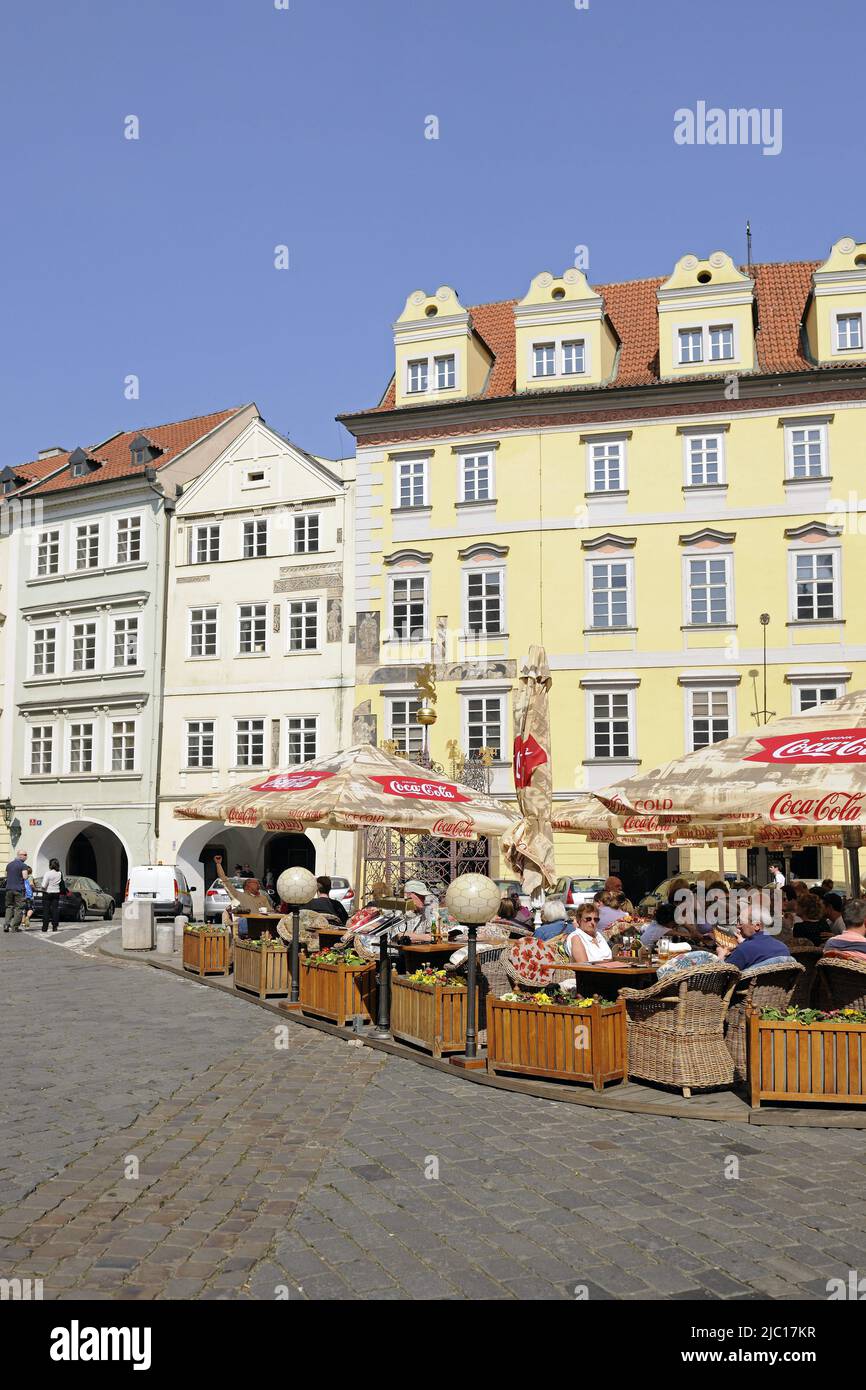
x=528, y=846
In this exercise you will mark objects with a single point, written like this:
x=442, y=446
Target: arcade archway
x=88, y=849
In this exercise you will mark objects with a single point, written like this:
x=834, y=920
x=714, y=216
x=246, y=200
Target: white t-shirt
x=51, y=881
x=595, y=946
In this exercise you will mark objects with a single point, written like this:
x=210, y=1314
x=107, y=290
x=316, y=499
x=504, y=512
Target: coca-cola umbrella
x=352, y=790
x=800, y=779
x=528, y=846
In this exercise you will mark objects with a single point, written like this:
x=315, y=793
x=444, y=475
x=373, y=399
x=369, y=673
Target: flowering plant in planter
x=332, y=957
x=270, y=941
x=429, y=975
x=554, y=995
x=205, y=926
x=808, y=1016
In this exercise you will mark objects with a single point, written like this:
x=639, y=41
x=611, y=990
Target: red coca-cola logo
x=642, y=823
x=291, y=781
x=832, y=806
x=455, y=829
x=832, y=746
x=528, y=755
x=242, y=818
x=418, y=789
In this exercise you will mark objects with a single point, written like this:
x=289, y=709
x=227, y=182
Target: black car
x=73, y=908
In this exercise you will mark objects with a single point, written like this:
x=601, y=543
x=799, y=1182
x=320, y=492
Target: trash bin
x=165, y=939
x=136, y=925
x=179, y=924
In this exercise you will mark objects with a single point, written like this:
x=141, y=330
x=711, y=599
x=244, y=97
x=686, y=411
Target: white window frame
x=611, y=690
x=249, y=480
x=707, y=555
x=815, y=683
x=689, y=437
x=110, y=662
x=56, y=531
x=287, y=733
x=836, y=553
x=90, y=526
x=390, y=702
x=564, y=343
x=705, y=330
x=708, y=689
x=485, y=571
x=254, y=618
x=307, y=517
x=70, y=646
x=130, y=518
x=195, y=531
x=852, y=313
x=595, y=562
x=93, y=725
x=473, y=456
x=249, y=719
x=203, y=608
x=558, y=342
x=412, y=464
x=121, y=717
x=423, y=363
x=200, y=767
x=547, y=346
x=824, y=437
x=316, y=604
x=28, y=764
x=437, y=359
x=607, y=442
x=500, y=699
x=31, y=664
x=256, y=524
x=392, y=634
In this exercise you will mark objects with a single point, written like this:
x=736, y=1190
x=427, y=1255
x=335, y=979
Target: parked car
x=162, y=884
x=96, y=900
x=574, y=891
x=650, y=901
x=72, y=906
x=217, y=900
x=507, y=886
x=342, y=890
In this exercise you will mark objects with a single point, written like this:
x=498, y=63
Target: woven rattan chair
x=840, y=983
x=769, y=986
x=492, y=979
x=676, y=1029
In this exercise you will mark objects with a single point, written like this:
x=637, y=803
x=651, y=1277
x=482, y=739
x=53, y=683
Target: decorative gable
x=706, y=318
x=836, y=316
x=562, y=334
x=708, y=538
x=813, y=532
x=81, y=463
x=438, y=355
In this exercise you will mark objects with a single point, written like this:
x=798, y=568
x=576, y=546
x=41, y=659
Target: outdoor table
x=591, y=979
x=416, y=953
x=256, y=921
x=329, y=936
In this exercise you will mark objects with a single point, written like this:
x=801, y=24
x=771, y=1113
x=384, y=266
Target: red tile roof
x=781, y=293
x=114, y=456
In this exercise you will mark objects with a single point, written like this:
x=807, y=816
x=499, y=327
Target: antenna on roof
x=748, y=246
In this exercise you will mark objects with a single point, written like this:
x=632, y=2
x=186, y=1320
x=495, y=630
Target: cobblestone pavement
x=325, y=1170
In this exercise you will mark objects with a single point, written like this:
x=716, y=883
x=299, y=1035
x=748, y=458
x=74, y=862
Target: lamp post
x=296, y=887
x=472, y=899
x=383, y=1014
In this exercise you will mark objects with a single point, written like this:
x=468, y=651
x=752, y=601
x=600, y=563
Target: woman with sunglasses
x=586, y=945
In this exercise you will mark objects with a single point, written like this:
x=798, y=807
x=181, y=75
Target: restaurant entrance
x=641, y=870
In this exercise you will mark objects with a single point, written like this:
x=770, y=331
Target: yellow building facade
x=659, y=480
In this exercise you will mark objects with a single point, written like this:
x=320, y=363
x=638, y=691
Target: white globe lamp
x=472, y=899
x=296, y=886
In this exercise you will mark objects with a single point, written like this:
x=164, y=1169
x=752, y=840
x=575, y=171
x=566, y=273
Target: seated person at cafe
x=611, y=908
x=664, y=924
x=851, y=941
x=252, y=898
x=522, y=914
x=827, y=885
x=586, y=945
x=833, y=913
x=554, y=921
x=809, y=918
x=754, y=947
x=613, y=884
x=324, y=903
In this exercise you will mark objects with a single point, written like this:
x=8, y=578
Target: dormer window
x=849, y=332
x=544, y=359
x=9, y=481
x=573, y=358
x=142, y=452
x=80, y=464
x=691, y=345
x=418, y=375
x=722, y=343
x=445, y=373
x=714, y=344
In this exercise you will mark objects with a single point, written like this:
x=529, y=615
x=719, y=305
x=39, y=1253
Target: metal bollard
x=383, y=1017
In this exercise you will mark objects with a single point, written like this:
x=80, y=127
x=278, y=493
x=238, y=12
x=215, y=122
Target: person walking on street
x=51, y=881
x=15, y=895
x=28, y=897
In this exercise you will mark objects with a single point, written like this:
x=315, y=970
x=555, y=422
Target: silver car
x=342, y=890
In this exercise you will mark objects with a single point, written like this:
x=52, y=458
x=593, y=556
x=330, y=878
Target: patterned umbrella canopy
x=360, y=787
x=528, y=847
x=799, y=779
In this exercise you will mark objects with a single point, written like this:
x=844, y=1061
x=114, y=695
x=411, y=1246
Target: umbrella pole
x=383, y=1017
x=721, y=844
x=854, y=871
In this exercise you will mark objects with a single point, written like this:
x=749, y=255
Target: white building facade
x=259, y=660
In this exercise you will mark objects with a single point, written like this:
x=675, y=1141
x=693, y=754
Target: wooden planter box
x=823, y=1062
x=338, y=992
x=430, y=1016
x=207, y=952
x=262, y=970
x=543, y=1040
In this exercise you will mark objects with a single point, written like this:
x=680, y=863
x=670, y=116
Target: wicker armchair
x=841, y=983
x=676, y=1029
x=769, y=986
x=492, y=979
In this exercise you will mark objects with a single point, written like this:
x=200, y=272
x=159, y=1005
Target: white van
x=162, y=884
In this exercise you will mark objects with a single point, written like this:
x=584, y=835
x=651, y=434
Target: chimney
x=50, y=453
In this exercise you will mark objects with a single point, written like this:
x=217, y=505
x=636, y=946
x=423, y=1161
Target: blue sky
x=305, y=127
